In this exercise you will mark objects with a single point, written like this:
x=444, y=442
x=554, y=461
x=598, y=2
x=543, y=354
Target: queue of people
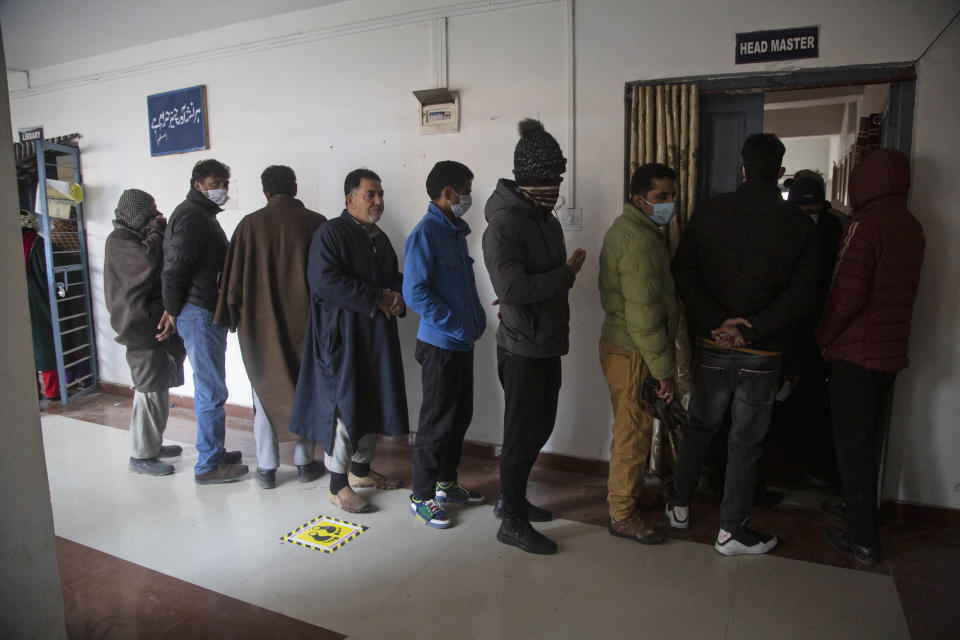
x=315, y=303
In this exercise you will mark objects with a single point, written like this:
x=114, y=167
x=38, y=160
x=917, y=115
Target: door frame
x=901, y=76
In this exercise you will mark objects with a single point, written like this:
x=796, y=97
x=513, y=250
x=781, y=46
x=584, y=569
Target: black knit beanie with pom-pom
x=537, y=154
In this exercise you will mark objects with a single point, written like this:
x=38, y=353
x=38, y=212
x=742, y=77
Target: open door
x=725, y=122
x=898, y=120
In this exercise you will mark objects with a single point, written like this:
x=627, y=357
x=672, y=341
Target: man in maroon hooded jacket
x=864, y=333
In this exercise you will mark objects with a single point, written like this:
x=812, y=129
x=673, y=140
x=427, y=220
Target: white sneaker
x=678, y=516
x=744, y=541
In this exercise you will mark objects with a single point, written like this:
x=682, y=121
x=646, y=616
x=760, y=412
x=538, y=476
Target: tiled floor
x=161, y=557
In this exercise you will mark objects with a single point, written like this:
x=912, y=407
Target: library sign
x=779, y=44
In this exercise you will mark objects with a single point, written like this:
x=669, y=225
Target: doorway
x=827, y=118
x=811, y=108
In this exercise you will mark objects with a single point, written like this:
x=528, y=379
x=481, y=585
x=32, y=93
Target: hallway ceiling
x=87, y=28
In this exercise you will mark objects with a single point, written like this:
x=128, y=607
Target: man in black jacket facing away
x=746, y=269
x=194, y=249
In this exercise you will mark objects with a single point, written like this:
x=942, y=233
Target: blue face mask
x=662, y=212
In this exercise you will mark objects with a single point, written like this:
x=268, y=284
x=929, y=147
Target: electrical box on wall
x=439, y=111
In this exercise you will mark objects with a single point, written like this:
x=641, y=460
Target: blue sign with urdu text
x=178, y=121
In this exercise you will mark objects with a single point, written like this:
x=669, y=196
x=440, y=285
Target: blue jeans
x=206, y=345
x=746, y=384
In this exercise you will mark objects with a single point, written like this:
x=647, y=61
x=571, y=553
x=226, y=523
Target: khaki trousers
x=626, y=372
x=148, y=422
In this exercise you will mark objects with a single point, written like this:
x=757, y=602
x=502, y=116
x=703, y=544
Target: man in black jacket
x=807, y=435
x=194, y=248
x=524, y=253
x=746, y=269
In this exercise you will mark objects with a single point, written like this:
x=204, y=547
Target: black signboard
x=779, y=44
x=30, y=134
x=178, y=121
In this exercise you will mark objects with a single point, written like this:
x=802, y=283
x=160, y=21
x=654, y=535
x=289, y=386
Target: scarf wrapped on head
x=28, y=221
x=134, y=210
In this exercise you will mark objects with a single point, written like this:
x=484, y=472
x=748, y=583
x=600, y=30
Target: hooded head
x=884, y=172
x=135, y=209
x=28, y=221
x=537, y=155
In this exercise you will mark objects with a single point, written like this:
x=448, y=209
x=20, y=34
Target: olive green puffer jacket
x=637, y=293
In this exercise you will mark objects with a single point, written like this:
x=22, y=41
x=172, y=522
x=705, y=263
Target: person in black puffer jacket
x=524, y=253
x=194, y=249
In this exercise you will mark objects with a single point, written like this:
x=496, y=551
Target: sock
x=337, y=481
x=360, y=469
x=446, y=484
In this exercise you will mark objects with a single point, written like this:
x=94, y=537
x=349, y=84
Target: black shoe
x=517, y=532
x=835, y=510
x=222, y=473
x=233, y=457
x=534, y=513
x=863, y=555
x=170, y=451
x=267, y=478
x=150, y=467
x=310, y=471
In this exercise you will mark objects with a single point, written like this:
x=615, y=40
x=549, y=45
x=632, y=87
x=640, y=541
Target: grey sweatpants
x=338, y=461
x=268, y=449
x=148, y=421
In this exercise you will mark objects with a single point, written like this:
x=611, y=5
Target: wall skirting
x=233, y=410
x=894, y=510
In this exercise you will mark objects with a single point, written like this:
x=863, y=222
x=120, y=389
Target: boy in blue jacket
x=438, y=284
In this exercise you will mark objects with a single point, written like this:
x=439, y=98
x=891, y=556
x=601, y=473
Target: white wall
x=810, y=153
x=807, y=153
x=923, y=463
x=327, y=104
x=32, y=603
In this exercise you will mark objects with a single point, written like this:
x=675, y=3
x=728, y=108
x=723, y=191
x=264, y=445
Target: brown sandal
x=348, y=500
x=373, y=479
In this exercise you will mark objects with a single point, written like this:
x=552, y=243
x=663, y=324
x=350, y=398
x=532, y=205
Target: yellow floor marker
x=324, y=533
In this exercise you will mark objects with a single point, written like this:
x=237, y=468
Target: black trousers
x=445, y=415
x=746, y=384
x=806, y=436
x=531, y=388
x=860, y=399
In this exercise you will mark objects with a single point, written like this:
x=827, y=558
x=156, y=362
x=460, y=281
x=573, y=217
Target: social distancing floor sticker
x=324, y=533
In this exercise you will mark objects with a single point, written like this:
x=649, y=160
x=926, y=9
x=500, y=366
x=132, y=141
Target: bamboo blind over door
x=665, y=128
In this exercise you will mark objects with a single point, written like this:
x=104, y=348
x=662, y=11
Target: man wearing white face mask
x=194, y=248
x=439, y=285
x=639, y=328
